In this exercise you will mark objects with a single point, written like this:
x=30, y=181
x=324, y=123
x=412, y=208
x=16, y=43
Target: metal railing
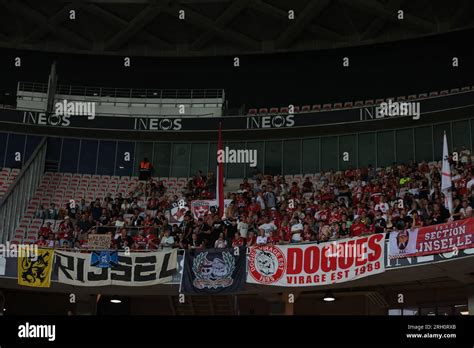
x=16, y=199
x=123, y=92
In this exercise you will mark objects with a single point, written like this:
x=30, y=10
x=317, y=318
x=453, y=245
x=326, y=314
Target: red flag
x=220, y=175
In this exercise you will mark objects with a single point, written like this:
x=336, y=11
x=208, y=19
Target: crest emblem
x=215, y=273
x=267, y=264
x=200, y=209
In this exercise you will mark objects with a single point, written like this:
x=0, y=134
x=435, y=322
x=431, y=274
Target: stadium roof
x=220, y=27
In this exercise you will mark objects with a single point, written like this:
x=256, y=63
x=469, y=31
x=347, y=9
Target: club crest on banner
x=200, y=208
x=267, y=264
x=215, y=273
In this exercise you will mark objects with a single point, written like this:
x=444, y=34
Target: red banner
x=317, y=264
x=436, y=239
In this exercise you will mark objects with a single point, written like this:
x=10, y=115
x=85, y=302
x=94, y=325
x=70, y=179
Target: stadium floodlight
x=115, y=300
x=464, y=313
x=329, y=297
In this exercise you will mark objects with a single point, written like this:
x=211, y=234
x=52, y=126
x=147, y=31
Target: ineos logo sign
x=277, y=121
x=44, y=119
x=158, y=124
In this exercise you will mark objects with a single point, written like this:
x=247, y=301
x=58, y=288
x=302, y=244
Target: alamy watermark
x=394, y=108
x=19, y=250
x=75, y=108
x=227, y=155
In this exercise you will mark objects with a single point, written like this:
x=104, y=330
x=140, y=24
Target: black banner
x=176, y=123
x=214, y=271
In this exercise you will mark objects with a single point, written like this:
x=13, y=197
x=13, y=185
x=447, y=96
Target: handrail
x=22, y=172
x=124, y=92
x=16, y=199
x=119, y=114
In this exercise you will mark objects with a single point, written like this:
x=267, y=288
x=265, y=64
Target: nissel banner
x=436, y=239
x=134, y=269
x=317, y=264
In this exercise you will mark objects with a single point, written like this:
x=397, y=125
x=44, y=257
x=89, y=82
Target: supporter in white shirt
x=167, y=241
x=466, y=210
x=119, y=222
x=470, y=183
x=261, y=239
x=465, y=154
x=268, y=227
x=296, y=231
x=221, y=243
x=243, y=227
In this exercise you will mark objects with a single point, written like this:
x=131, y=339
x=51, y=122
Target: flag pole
x=446, y=182
x=220, y=175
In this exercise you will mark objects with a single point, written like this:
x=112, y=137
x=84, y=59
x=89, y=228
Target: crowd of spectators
x=269, y=210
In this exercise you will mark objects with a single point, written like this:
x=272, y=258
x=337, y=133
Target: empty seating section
x=61, y=188
x=350, y=104
x=7, y=176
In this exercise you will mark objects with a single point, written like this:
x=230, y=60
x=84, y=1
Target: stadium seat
x=263, y=111
x=317, y=107
x=252, y=112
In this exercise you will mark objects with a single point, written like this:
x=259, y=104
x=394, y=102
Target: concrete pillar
x=470, y=299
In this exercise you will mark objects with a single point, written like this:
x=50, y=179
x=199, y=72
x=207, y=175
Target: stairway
x=51, y=166
x=203, y=305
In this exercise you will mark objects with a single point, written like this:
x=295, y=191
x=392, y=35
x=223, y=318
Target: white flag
x=446, y=177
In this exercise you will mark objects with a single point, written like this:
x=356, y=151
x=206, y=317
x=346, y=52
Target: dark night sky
x=383, y=70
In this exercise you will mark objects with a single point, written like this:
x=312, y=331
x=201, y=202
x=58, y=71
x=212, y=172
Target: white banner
x=402, y=243
x=317, y=264
x=134, y=269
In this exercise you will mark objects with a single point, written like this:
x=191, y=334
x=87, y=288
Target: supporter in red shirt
x=251, y=239
x=238, y=241
x=41, y=242
x=45, y=230
x=152, y=240
x=254, y=207
x=335, y=215
x=294, y=190
x=357, y=228
x=140, y=241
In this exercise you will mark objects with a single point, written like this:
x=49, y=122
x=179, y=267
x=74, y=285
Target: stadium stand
x=7, y=176
x=350, y=104
x=312, y=207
